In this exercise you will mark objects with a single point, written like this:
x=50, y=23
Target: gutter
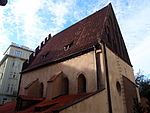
x=58, y=60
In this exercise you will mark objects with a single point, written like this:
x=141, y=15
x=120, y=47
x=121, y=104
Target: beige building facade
x=83, y=69
x=10, y=68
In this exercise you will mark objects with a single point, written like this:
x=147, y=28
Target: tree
x=143, y=84
x=137, y=107
x=144, y=90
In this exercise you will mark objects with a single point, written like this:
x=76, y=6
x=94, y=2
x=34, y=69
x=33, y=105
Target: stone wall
x=84, y=64
x=117, y=68
x=94, y=104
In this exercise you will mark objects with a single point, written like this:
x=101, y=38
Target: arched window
x=66, y=86
x=81, y=84
x=41, y=89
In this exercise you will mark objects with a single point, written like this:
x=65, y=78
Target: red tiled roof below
x=45, y=106
x=59, y=102
x=8, y=107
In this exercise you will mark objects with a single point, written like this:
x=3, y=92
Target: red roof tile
x=8, y=108
x=45, y=106
x=59, y=102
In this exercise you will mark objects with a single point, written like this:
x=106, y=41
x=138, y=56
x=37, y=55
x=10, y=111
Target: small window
x=14, y=75
x=19, y=64
x=1, y=75
x=11, y=90
x=8, y=88
x=13, y=64
x=118, y=86
x=4, y=65
x=18, y=53
x=81, y=84
x=66, y=86
x=45, y=55
x=11, y=75
x=41, y=89
x=66, y=47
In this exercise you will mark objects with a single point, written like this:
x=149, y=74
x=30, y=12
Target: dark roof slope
x=74, y=40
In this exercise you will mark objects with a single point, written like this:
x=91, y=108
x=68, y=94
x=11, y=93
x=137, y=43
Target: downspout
x=18, y=100
x=19, y=83
x=107, y=79
x=98, y=87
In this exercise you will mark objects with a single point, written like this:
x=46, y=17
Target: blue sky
x=28, y=22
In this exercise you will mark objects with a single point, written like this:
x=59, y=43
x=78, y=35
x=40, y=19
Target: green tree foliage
x=143, y=84
x=144, y=89
x=137, y=108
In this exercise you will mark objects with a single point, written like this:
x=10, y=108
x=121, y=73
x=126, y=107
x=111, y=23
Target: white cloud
x=134, y=22
x=135, y=26
x=4, y=40
x=30, y=28
x=140, y=56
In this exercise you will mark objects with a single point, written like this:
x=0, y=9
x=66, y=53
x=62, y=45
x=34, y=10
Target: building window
x=4, y=100
x=45, y=55
x=41, y=89
x=66, y=86
x=18, y=53
x=1, y=75
x=66, y=47
x=19, y=65
x=118, y=86
x=14, y=75
x=4, y=65
x=11, y=90
x=8, y=88
x=13, y=63
x=81, y=84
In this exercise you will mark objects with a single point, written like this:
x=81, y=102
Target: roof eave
x=70, y=56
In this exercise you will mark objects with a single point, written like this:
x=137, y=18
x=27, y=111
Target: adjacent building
x=10, y=68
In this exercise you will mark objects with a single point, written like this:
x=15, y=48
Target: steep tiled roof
x=78, y=37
